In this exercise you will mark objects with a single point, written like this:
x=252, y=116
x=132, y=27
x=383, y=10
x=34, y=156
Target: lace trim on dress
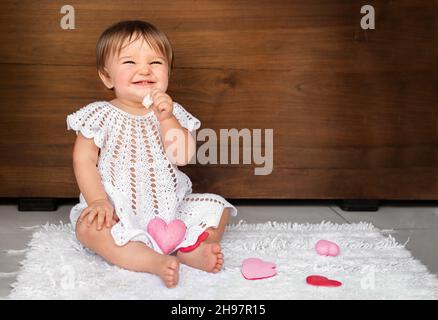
x=90, y=121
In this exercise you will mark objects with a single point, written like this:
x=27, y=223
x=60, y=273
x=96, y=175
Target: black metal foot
x=359, y=205
x=37, y=204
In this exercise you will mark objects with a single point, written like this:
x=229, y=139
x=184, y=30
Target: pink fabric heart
x=167, y=236
x=327, y=248
x=255, y=269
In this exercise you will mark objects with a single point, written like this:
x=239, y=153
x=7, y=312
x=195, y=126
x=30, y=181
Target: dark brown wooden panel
x=36, y=181
x=285, y=156
x=380, y=183
x=386, y=109
x=387, y=183
x=354, y=112
x=274, y=35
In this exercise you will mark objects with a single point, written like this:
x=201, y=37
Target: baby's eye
x=159, y=62
x=129, y=62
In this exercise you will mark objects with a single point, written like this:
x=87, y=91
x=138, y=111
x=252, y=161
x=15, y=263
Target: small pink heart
x=255, y=269
x=327, y=248
x=167, y=236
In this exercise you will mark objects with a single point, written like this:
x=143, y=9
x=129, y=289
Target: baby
x=125, y=161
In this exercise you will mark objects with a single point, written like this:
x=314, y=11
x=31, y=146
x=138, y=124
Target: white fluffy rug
x=370, y=266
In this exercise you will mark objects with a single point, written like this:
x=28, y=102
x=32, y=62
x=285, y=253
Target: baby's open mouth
x=144, y=83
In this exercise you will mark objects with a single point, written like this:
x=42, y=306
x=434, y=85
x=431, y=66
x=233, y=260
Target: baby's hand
x=163, y=105
x=103, y=210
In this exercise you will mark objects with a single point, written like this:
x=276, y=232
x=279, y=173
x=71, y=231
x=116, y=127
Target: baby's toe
x=174, y=264
x=216, y=248
x=217, y=268
x=170, y=274
x=170, y=281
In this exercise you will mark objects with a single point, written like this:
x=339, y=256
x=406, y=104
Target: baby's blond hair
x=112, y=39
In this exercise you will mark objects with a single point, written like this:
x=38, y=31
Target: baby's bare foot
x=207, y=257
x=168, y=271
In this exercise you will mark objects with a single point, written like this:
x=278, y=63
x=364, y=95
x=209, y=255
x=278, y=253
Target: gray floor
x=418, y=224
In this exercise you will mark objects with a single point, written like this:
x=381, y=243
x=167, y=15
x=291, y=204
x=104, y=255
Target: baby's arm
x=85, y=155
x=179, y=144
x=180, y=152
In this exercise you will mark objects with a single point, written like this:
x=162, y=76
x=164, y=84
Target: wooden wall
x=354, y=112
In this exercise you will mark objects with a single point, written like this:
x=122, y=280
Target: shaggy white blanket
x=370, y=266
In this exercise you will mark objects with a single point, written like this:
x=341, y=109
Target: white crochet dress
x=138, y=177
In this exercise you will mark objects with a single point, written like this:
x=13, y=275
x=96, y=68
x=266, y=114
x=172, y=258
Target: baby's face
x=137, y=71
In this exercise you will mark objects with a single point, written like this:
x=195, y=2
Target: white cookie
x=147, y=101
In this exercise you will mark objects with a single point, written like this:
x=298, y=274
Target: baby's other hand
x=103, y=210
x=163, y=105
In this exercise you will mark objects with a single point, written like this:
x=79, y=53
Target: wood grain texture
x=354, y=112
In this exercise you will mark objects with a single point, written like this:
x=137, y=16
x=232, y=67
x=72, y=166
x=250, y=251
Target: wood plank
x=37, y=181
x=347, y=108
x=273, y=35
x=284, y=156
x=388, y=183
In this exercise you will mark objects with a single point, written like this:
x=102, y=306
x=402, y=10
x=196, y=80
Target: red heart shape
x=322, y=281
x=202, y=237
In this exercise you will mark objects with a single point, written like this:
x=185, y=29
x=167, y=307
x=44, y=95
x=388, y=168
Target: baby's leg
x=134, y=256
x=215, y=234
x=208, y=256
